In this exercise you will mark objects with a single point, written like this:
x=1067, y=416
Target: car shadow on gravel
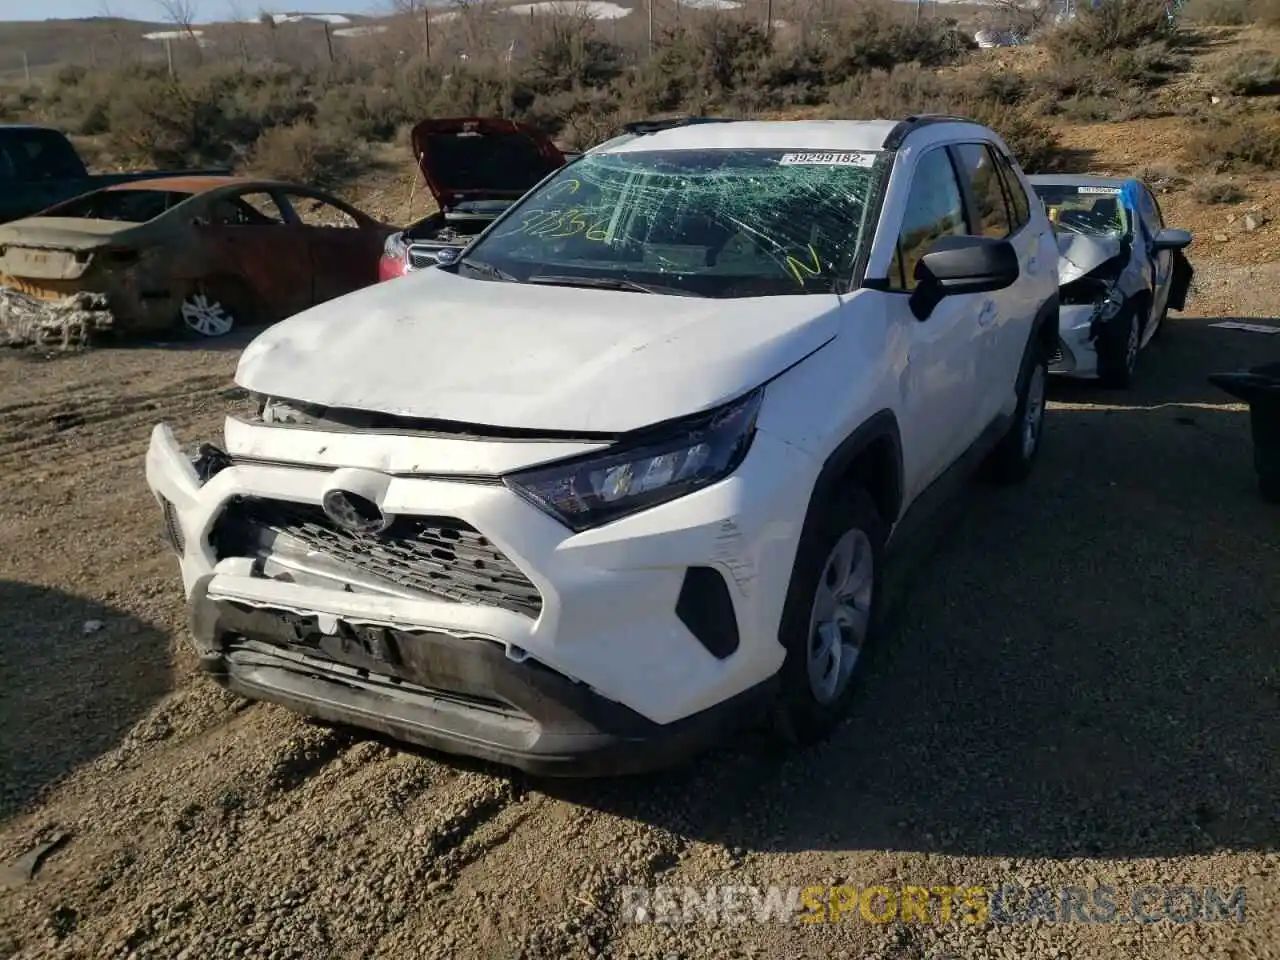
x=1088, y=665
x=75, y=675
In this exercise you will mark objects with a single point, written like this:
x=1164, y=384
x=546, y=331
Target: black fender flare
x=880, y=427
x=1046, y=317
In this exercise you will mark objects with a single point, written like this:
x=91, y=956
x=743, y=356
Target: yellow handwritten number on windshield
x=801, y=270
x=561, y=224
x=564, y=188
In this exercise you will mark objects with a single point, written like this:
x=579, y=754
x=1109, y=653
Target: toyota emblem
x=354, y=512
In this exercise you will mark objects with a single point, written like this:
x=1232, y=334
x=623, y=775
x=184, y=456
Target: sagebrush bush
x=1233, y=13
x=1254, y=73
x=577, y=80
x=910, y=89
x=1111, y=26
x=1245, y=144
x=303, y=153
x=1219, y=191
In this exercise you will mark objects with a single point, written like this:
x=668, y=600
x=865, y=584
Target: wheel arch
x=870, y=457
x=1045, y=330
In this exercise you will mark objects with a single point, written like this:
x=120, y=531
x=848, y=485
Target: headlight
x=682, y=458
x=278, y=411
x=394, y=248
x=1110, y=307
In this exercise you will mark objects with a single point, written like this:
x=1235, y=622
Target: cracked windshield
x=1089, y=211
x=722, y=223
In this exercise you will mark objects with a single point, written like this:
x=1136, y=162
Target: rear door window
x=1019, y=205
x=253, y=209
x=978, y=168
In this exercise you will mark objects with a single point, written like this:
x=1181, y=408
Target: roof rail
x=639, y=127
x=914, y=122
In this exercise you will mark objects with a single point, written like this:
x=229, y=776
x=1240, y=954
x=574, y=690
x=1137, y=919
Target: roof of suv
x=770, y=135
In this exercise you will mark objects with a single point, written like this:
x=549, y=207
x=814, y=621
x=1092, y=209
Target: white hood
x=436, y=346
x=1078, y=254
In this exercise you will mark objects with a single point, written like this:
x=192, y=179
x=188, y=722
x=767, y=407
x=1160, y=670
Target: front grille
x=439, y=556
x=424, y=256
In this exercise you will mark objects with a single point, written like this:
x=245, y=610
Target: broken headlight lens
x=659, y=468
x=1110, y=307
x=395, y=248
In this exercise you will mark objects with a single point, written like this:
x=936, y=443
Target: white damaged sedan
x=1120, y=272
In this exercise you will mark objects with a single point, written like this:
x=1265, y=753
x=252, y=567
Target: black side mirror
x=967, y=264
x=1171, y=239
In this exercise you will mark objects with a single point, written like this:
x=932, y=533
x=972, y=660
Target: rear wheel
x=214, y=308
x=830, y=613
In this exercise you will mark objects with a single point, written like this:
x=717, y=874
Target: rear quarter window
x=128, y=206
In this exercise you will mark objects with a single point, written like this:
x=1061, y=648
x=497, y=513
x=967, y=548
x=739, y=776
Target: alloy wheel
x=1033, y=415
x=206, y=316
x=840, y=615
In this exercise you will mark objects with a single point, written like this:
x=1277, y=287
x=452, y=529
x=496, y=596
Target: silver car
x=1121, y=270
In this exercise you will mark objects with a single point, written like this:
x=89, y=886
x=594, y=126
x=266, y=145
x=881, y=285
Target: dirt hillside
x=1081, y=689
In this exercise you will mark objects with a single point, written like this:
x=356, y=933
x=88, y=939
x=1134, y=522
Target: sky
x=153, y=10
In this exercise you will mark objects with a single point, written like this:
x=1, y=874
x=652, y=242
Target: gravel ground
x=1081, y=687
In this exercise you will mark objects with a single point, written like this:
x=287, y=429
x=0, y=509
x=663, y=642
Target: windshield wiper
x=610, y=283
x=488, y=269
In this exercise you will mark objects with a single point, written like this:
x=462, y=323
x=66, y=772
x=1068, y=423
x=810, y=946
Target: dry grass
x=1254, y=73
x=304, y=117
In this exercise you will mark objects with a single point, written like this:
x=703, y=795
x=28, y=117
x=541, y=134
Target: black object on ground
x=1260, y=388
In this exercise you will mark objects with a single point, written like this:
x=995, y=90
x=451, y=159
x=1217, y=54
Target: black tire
x=1118, y=346
x=1013, y=457
x=800, y=717
x=1164, y=322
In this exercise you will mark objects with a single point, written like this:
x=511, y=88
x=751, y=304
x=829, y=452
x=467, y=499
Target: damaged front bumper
x=568, y=659
x=448, y=691
x=1079, y=327
x=1077, y=354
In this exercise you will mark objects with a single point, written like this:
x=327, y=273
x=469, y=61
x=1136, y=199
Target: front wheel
x=1118, y=350
x=831, y=611
x=1013, y=457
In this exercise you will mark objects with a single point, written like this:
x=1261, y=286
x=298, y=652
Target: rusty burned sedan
x=201, y=253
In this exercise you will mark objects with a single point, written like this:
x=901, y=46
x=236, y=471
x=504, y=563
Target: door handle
x=988, y=313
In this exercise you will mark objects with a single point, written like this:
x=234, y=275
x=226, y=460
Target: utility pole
x=651, y=28
x=26, y=67
x=328, y=40
x=426, y=29
x=768, y=19
x=168, y=53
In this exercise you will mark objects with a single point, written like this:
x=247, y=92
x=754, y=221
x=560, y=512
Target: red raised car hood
x=481, y=158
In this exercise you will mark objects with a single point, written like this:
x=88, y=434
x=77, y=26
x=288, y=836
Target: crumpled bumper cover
x=1077, y=354
x=463, y=695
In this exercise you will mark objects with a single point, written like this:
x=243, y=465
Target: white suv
x=623, y=475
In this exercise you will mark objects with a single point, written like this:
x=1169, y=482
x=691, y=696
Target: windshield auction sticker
x=1106, y=191
x=828, y=159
